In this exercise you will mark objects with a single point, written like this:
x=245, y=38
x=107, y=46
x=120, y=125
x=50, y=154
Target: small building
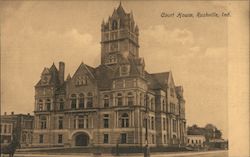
x=16, y=127
x=196, y=141
x=6, y=129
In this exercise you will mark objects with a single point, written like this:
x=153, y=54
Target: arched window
x=90, y=100
x=114, y=25
x=119, y=99
x=73, y=101
x=48, y=104
x=130, y=99
x=24, y=138
x=163, y=106
x=43, y=122
x=61, y=104
x=40, y=105
x=124, y=120
x=106, y=101
x=81, y=101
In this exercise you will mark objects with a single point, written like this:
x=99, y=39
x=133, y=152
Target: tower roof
x=120, y=10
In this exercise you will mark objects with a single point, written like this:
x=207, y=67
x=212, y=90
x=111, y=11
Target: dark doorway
x=82, y=140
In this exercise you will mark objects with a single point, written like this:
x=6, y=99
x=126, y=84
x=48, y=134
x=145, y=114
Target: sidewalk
x=158, y=154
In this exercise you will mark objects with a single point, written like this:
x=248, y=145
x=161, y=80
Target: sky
x=34, y=34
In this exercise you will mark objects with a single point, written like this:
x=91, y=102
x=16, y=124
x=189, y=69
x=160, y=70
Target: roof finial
x=120, y=3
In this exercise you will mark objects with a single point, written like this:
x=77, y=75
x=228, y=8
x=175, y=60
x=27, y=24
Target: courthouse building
x=106, y=105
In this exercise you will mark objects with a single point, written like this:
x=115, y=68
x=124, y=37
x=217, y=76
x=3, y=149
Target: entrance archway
x=81, y=139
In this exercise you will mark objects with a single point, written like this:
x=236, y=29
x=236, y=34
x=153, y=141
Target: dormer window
x=124, y=70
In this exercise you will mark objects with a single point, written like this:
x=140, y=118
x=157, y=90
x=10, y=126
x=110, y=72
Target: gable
x=83, y=75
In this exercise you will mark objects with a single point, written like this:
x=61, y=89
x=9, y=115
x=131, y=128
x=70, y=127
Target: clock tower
x=119, y=37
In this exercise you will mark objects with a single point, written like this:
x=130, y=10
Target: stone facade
x=106, y=105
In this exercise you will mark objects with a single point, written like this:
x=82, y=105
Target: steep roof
x=157, y=80
x=120, y=10
x=104, y=76
x=53, y=72
x=88, y=68
x=54, y=75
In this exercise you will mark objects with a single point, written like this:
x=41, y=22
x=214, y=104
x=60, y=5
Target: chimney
x=12, y=113
x=28, y=114
x=61, y=72
x=5, y=113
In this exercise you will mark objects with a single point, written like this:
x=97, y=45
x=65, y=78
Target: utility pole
x=146, y=149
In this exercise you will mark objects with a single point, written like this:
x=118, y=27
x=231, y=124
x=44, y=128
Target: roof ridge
x=159, y=73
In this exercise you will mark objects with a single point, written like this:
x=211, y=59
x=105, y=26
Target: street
x=162, y=154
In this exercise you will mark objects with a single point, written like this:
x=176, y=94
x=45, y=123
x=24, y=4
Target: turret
x=61, y=72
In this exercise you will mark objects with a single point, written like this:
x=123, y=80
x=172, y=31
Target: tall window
x=41, y=138
x=114, y=25
x=163, y=106
x=130, y=99
x=106, y=121
x=153, y=139
x=61, y=104
x=5, y=128
x=167, y=123
x=73, y=101
x=24, y=138
x=90, y=100
x=125, y=120
x=40, y=105
x=165, y=140
x=81, y=121
x=81, y=101
x=48, y=104
x=43, y=122
x=60, y=138
x=123, y=138
x=152, y=123
x=105, y=138
x=164, y=124
x=141, y=99
x=60, y=123
x=106, y=101
x=74, y=122
x=152, y=103
x=119, y=99
x=174, y=125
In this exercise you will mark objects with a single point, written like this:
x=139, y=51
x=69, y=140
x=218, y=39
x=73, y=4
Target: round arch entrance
x=81, y=139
